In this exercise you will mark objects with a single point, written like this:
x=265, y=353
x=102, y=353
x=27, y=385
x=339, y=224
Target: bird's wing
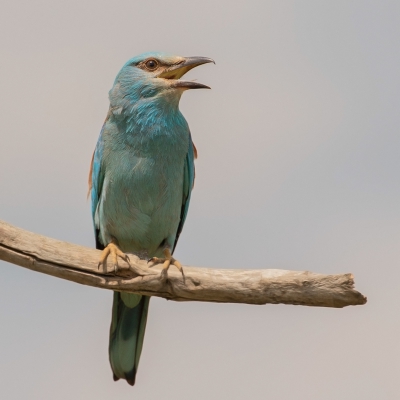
x=96, y=179
x=188, y=182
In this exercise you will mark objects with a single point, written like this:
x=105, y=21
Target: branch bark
x=79, y=264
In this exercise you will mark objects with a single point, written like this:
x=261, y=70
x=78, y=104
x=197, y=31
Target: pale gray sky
x=299, y=160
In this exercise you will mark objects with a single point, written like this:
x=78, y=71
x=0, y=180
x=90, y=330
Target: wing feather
x=188, y=183
x=96, y=180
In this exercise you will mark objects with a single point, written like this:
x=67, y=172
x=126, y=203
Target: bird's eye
x=151, y=65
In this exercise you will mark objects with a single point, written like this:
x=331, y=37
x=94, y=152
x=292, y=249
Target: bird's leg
x=113, y=249
x=167, y=261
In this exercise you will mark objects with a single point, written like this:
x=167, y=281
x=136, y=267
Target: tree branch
x=79, y=264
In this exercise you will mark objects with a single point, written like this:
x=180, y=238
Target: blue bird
x=140, y=181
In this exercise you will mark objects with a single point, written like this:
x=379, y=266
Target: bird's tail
x=129, y=316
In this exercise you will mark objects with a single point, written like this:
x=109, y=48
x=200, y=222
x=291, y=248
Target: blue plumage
x=141, y=178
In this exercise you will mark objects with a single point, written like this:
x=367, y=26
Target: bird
x=141, y=177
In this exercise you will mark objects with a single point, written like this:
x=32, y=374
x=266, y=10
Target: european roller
x=140, y=182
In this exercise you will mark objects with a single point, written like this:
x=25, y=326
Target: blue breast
x=143, y=186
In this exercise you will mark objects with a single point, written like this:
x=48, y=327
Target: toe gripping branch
x=167, y=262
x=115, y=252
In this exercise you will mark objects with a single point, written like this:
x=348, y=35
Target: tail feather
x=128, y=324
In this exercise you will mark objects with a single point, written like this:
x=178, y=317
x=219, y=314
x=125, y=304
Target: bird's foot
x=115, y=252
x=167, y=262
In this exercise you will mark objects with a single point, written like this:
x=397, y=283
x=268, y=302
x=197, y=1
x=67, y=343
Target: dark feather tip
x=131, y=381
x=131, y=376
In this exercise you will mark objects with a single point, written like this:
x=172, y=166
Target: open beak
x=178, y=70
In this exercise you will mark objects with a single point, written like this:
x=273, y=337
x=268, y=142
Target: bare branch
x=79, y=264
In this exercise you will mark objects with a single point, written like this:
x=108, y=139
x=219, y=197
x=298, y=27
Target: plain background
x=299, y=159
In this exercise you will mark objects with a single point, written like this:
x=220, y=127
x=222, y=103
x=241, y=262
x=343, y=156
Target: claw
x=115, y=252
x=167, y=262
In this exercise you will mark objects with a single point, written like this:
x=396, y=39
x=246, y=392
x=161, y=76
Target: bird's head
x=155, y=75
